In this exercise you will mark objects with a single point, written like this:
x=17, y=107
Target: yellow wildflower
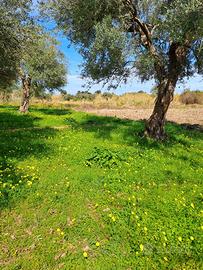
x=85, y=254
x=141, y=247
x=113, y=219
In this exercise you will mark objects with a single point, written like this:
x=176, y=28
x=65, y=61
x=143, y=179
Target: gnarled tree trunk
x=155, y=124
x=167, y=83
x=26, y=83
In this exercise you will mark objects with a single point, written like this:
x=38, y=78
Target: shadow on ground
x=16, y=121
x=18, y=141
x=131, y=132
x=51, y=111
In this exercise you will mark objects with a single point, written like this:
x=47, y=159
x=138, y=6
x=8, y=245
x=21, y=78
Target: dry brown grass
x=125, y=101
x=128, y=100
x=191, y=98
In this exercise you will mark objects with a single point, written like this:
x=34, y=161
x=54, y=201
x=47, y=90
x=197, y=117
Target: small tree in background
x=159, y=40
x=42, y=68
x=98, y=92
x=107, y=95
x=84, y=95
x=141, y=92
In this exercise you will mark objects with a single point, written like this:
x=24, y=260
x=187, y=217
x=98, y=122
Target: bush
x=189, y=97
x=104, y=158
x=67, y=97
x=84, y=95
x=107, y=95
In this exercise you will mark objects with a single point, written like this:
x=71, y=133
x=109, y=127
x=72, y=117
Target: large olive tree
x=159, y=39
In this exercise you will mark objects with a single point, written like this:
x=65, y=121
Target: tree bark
x=26, y=83
x=167, y=83
x=166, y=75
x=155, y=124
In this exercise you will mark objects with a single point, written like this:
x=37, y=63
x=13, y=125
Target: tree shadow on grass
x=19, y=140
x=131, y=132
x=10, y=120
x=52, y=111
x=9, y=107
x=46, y=111
x=21, y=144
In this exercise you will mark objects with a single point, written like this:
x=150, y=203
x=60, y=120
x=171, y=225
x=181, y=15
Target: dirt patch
x=179, y=115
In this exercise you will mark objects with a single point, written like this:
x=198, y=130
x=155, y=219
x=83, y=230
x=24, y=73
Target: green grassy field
x=95, y=195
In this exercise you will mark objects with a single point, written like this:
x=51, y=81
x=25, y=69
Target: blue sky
x=75, y=82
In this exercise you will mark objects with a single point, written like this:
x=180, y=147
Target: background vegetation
x=98, y=99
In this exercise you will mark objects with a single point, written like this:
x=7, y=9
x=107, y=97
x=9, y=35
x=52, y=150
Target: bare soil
x=185, y=115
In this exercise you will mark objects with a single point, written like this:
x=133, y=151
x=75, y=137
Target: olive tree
x=156, y=39
x=42, y=67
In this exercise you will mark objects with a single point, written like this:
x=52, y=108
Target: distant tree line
x=86, y=95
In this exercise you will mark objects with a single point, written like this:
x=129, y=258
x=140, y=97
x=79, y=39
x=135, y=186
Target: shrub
x=67, y=97
x=189, y=97
x=107, y=95
x=84, y=95
x=104, y=158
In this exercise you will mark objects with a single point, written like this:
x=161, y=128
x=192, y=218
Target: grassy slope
x=141, y=201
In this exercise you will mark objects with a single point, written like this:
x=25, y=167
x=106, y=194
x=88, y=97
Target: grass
x=95, y=195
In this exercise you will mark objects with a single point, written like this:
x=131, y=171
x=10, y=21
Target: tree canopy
x=122, y=37
x=44, y=63
x=14, y=16
x=42, y=67
x=28, y=53
x=26, y=48
x=160, y=40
